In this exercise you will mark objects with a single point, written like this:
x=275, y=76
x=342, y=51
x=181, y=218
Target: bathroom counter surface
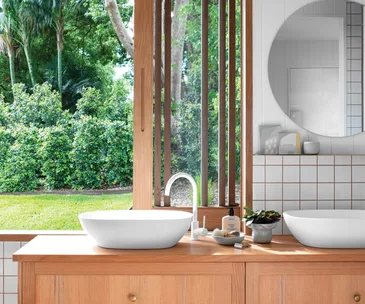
x=83, y=249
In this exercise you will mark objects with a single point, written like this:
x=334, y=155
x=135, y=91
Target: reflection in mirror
x=316, y=67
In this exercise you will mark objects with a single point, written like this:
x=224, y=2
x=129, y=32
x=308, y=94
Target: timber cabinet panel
x=64, y=283
x=303, y=283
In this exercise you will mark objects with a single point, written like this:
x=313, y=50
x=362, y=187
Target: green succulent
x=260, y=216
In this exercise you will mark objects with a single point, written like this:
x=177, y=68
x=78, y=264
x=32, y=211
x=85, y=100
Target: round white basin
x=327, y=228
x=136, y=229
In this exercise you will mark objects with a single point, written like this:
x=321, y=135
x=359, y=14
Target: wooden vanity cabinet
x=303, y=283
x=73, y=270
x=109, y=283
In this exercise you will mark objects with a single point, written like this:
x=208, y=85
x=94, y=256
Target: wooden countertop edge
x=190, y=259
x=81, y=249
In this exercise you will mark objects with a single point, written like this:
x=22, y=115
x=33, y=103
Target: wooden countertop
x=83, y=249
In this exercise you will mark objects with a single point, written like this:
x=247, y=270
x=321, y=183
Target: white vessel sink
x=328, y=228
x=136, y=229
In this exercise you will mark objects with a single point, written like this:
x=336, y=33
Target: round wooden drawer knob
x=357, y=298
x=132, y=298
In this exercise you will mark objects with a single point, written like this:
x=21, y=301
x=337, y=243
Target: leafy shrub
x=3, y=112
x=41, y=108
x=87, y=154
x=55, y=155
x=6, y=141
x=42, y=144
x=118, y=141
x=22, y=165
x=90, y=103
x=117, y=106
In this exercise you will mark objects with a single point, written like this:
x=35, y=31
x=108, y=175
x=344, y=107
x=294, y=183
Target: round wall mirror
x=316, y=67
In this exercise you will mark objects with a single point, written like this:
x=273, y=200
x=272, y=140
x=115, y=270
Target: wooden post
x=158, y=87
x=232, y=104
x=222, y=105
x=246, y=178
x=167, y=104
x=204, y=111
x=143, y=105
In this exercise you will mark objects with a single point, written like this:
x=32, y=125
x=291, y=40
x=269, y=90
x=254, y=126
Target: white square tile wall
x=308, y=182
x=343, y=174
x=9, y=272
x=326, y=174
x=308, y=174
x=274, y=174
x=291, y=174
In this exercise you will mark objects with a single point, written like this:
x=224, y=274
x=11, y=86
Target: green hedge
x=87, y=153
x=42, y=145
x=55, y=156
x=118, y=157
x=21, y=170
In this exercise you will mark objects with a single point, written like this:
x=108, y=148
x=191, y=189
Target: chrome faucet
x=195, y=230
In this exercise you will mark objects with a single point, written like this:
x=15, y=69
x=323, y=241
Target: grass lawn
x=54, y=212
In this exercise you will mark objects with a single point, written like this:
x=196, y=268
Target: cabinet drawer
x=177, y=289
x=303, y=283
x=114, y=283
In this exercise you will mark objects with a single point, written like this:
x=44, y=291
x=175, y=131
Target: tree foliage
x=59, y=86
x=42, y=145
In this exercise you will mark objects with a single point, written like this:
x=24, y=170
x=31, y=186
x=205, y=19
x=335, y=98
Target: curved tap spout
x=195, y=223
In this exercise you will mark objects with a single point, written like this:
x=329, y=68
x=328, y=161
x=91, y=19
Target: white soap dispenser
x=231, y=222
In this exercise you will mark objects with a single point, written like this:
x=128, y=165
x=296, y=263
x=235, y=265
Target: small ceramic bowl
x=229, y=241
x=311, y=148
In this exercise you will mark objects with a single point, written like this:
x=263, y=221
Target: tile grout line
x=334, y=182
x=282, y=194
x=3, y=274
x=352, y=160
x=265, y=196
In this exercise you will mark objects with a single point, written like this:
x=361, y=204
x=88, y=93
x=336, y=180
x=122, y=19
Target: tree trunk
x=178, y=39
x=123, y=36
x=11, y=65
x=59, y=57
x=29, y=62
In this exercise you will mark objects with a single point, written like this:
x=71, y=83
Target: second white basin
x=327, y=228
x=136, y=229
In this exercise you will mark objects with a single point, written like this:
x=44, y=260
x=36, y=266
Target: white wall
x=268, y=17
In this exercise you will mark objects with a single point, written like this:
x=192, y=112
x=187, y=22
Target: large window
x=66, y=110
x=198, y=100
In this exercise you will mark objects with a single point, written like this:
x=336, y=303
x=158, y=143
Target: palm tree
x=22, y=17
x=58, y=12
x=7, y=44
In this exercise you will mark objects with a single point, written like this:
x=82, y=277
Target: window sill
x=28, y=235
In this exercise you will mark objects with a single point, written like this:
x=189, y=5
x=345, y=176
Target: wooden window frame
x=143, y=193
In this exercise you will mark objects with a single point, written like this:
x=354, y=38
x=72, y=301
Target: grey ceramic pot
x=262, y=233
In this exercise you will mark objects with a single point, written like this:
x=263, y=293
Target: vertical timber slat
x=27, y=283
x=248, y=110
x=143, y=106
x=242, y=103
x=167, y=102
x=222, y=105
x=204, y=110
x=158, y=64
x=232, y=104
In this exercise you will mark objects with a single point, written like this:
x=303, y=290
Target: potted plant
x=262, y=223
